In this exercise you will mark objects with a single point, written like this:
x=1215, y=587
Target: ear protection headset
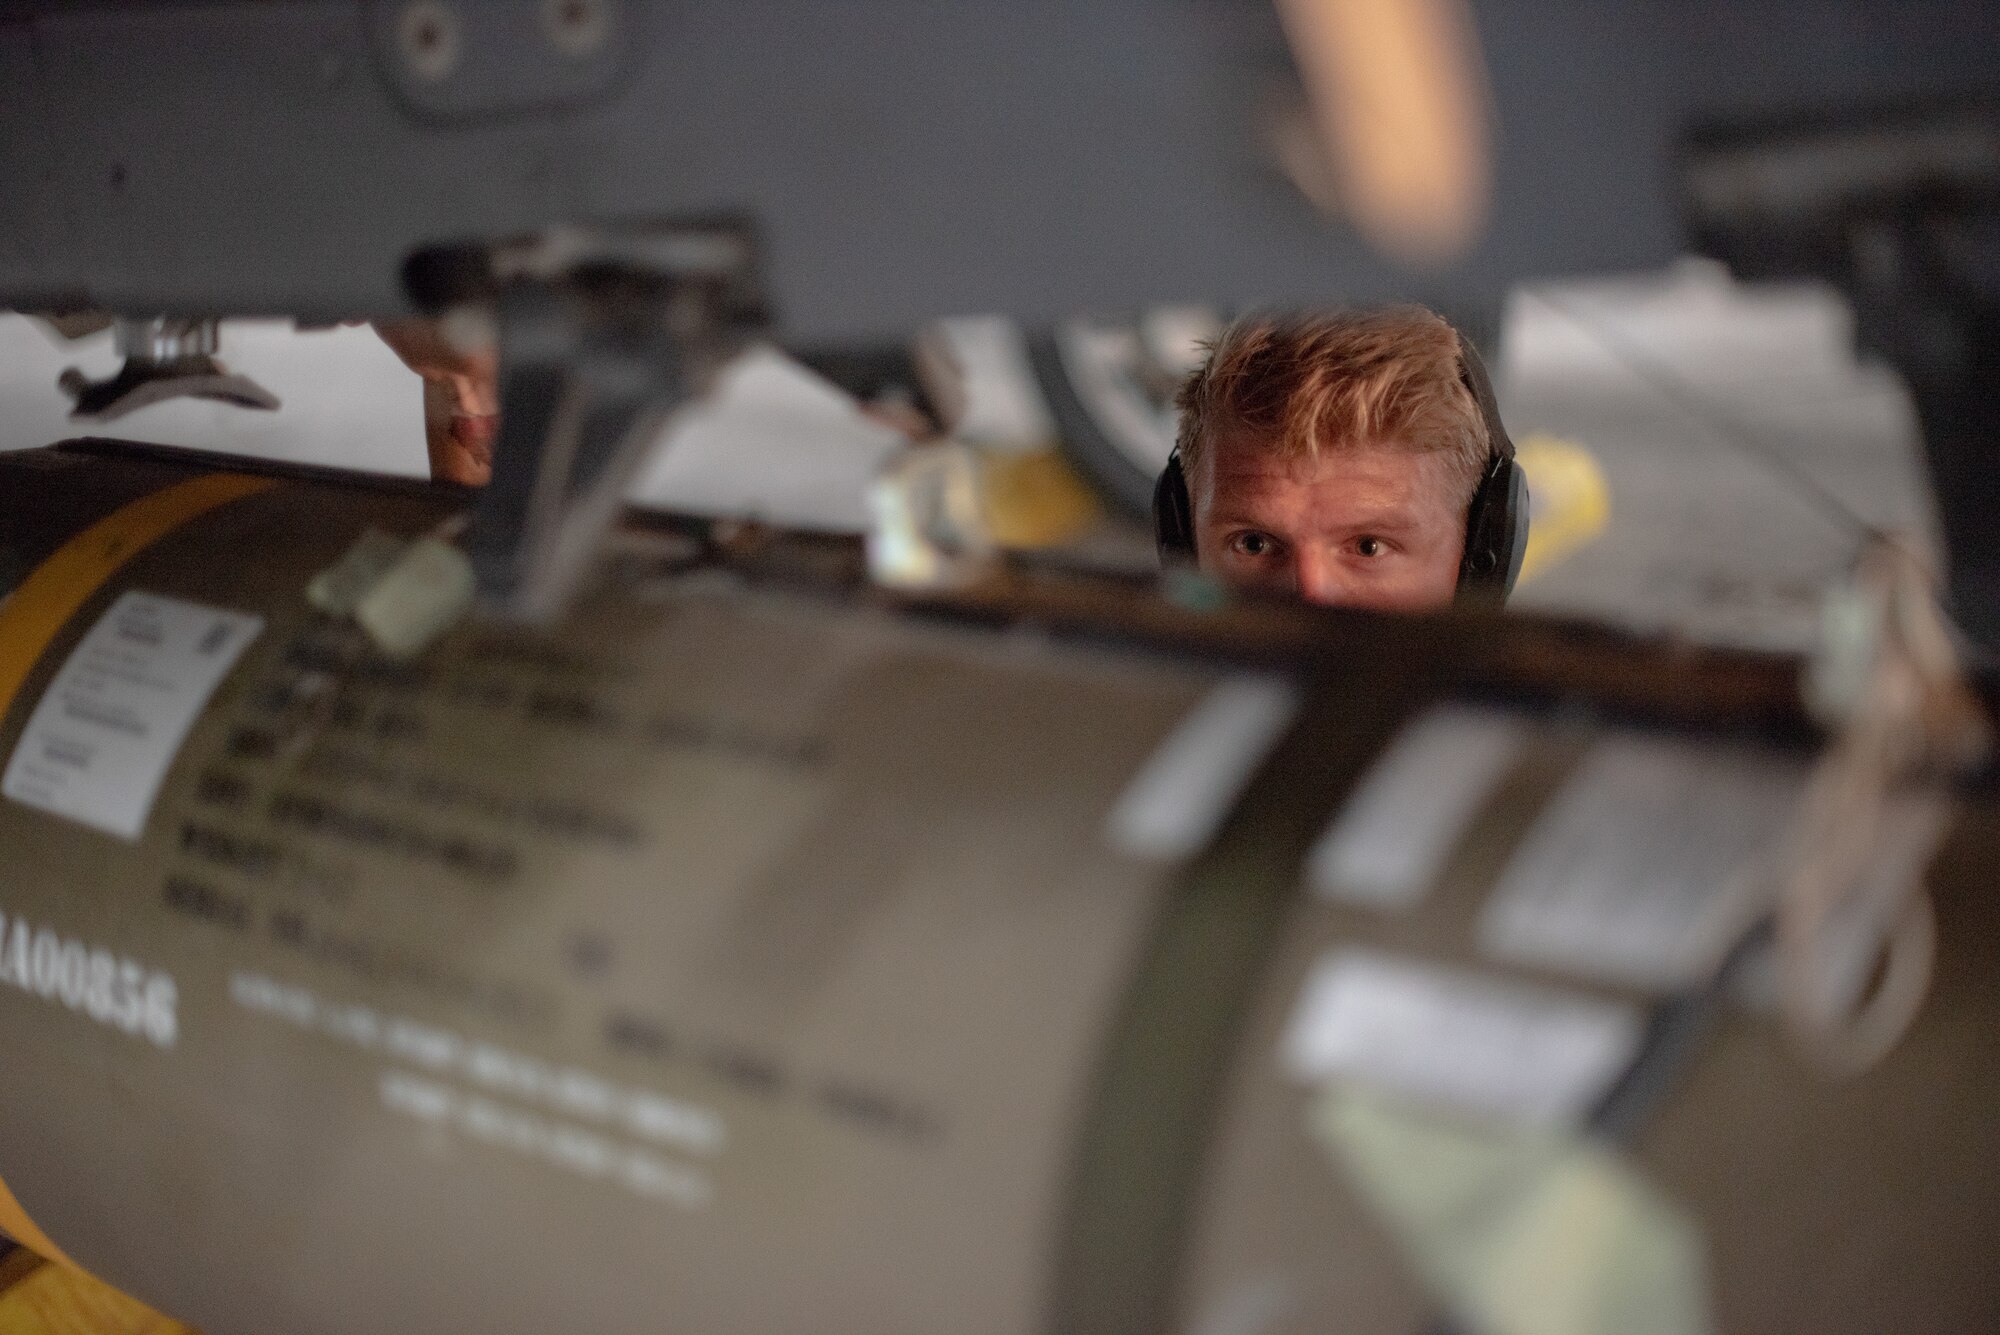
x=1496, y=523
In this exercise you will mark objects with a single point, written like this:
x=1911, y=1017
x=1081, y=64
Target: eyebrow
x=1387, y=525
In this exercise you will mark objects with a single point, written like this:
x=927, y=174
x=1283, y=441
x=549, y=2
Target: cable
x=1901, y=727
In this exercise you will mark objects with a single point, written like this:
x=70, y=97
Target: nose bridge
x=1318, y=574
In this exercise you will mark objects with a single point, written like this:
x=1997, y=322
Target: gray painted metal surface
x=903, y=159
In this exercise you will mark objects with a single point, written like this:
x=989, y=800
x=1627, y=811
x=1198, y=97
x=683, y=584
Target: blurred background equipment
x=893, y=161
x=1902, y=210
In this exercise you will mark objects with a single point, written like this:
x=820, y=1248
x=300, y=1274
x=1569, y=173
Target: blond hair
x=1306, y=383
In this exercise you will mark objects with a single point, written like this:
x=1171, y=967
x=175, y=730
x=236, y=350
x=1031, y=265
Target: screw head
x=577, y=28
x=429, y=38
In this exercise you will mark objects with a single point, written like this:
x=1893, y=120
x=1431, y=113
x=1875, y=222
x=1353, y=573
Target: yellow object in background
x=38, y=1297
x=1569, y=503
x=1033, y=498
x=939, y=514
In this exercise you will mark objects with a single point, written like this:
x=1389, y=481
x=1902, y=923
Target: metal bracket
x=602, y=336
x=165, y=358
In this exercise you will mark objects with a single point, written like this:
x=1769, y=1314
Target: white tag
x=98, y=744
x=1179, y=798
x=1385, y=847
x=1462, y=1040
x=1648, y=864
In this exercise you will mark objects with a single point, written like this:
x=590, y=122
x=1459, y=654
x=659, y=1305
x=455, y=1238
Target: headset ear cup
x=1173, y=512
x=1518, y=510
x=1495, y=535
x=1496, y=523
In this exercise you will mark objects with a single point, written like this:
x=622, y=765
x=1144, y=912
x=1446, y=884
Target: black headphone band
x=1496, y=520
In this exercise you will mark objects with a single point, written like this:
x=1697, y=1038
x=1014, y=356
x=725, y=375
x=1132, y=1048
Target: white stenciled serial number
x=88, y=979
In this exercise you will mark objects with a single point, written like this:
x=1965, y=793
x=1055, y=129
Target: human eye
x=1370, y=548
x=1253, y=544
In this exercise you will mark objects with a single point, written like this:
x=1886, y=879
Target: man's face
x=1365, y=525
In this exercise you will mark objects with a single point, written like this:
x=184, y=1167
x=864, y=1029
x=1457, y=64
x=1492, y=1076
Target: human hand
x=461, y=399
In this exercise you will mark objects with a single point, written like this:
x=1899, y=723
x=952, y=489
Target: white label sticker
x=101, y=739
x=1186, y=789
x=1461, y=1040
x=1648, y=865
x=1386, y=846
